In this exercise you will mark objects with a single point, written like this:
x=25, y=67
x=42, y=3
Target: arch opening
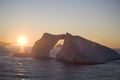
x=56, y=49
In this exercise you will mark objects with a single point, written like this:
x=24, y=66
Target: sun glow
x=22, y=41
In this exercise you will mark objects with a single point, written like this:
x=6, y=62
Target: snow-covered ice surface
x=16, y=68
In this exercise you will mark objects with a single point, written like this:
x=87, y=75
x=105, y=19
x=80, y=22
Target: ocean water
x=18, y=68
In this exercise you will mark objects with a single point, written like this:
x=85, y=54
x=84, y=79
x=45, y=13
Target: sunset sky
x=96, y=20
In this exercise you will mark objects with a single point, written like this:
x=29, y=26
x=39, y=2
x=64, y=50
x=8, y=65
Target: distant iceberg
x=3, y=49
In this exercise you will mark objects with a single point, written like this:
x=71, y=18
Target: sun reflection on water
x=22, y=49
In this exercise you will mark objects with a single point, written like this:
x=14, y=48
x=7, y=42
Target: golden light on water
x=22, y=41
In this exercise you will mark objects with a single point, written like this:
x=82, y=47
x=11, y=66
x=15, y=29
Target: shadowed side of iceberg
x=79, y=50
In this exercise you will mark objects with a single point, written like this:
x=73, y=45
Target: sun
x=22, y=41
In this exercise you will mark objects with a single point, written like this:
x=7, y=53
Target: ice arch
x=43, y=46
x=75, y=49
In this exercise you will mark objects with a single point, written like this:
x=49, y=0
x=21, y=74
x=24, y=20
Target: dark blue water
x=16, y=68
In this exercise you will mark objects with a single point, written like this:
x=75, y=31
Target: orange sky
x=96, y=20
